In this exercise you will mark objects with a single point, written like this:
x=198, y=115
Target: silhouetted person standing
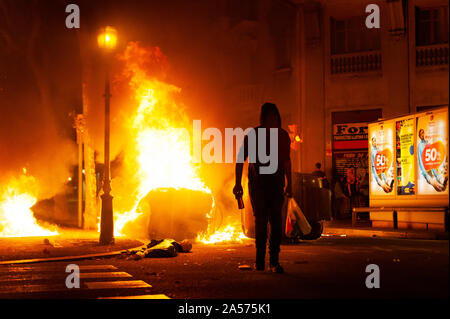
x=267, y=190
x=321, y=174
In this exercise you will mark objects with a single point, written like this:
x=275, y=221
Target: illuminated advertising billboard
x=404, y=135
x=381, y=159
x=432, y=153
x=408, y=161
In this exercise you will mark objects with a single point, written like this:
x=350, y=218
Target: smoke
x=39, y=89
x=31, y=138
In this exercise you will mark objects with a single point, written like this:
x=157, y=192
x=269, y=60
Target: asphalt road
x=331, y=267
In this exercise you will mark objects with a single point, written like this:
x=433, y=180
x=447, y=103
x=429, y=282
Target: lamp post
x=107, y=40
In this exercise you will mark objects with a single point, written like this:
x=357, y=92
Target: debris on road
x=51, y=243
x=245, y=267
x=159, y=249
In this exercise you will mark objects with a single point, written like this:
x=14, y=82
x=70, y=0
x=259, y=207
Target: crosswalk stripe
x=117, y=284
x=160, y=296
x=22, y=269
x=41, y=276
x=99, y=285
x=38, y=280
x=113, y=274
x=97, y=267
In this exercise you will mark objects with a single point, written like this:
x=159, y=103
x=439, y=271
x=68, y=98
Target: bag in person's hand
x=296, y=222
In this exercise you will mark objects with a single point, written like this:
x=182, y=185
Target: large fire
x=157, y=155
x=230, y=233
x=158, y=152
x=16, y=217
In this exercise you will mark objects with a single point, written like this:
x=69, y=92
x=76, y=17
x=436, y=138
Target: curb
x=68, y=258
x=386, y=233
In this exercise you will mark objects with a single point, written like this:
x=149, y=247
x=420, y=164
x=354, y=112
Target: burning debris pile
x=159, y=249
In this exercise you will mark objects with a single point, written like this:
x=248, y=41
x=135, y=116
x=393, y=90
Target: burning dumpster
x=176, y=213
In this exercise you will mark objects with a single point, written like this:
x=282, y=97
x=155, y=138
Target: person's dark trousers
x=267, y=205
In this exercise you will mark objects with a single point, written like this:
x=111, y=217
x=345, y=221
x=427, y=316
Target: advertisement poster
x=432, y=160
x=381, y=159
x=405, y=157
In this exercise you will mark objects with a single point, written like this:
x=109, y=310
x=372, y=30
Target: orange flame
x=158, y=155
x=16, y=217
x=229, y=234
x=158, y=152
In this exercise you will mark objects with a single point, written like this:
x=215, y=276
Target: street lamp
x=107, y=40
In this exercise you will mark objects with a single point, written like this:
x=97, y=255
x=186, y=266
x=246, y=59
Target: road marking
x=44, y=281
x=40, y=268
x=97, y=267
x=113, y=274
x=138, y=297
x=117, y=284
x=42, y=277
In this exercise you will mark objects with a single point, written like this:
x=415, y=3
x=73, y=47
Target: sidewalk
x=344, y=228
x=69, y=242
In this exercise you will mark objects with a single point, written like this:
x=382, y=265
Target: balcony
x=432, y=55
x=358, y=62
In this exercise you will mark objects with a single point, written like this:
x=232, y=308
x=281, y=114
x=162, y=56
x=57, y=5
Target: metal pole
x=107, y=221
x=80, y=179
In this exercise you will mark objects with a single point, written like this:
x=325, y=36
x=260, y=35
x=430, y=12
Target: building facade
x=330, y=75
x=355, y=75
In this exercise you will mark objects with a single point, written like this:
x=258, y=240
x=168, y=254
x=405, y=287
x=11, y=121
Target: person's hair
x=318, y=165
x=421, y=130
x=266, y=110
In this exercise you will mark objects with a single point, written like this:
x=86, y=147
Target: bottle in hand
x=239, y=199
x=240, y=202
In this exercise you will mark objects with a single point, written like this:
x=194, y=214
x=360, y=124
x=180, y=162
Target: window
x=351, y=35
x=431, y=25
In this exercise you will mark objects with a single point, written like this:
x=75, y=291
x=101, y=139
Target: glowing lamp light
x=107, y=39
